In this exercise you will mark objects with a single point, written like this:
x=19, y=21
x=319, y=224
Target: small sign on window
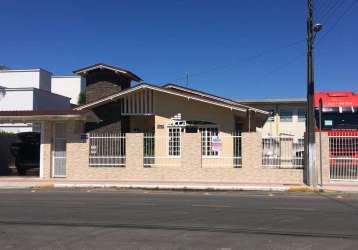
x=328, y=122
x=216, y=144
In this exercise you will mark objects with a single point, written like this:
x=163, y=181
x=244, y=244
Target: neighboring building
x=70, y=86
x=287, y=117
x=28, y=90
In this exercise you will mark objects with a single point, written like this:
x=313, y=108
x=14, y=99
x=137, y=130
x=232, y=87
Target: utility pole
x=310, y=122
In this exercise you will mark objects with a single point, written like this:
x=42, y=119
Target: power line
x=331, y=11
x=247, y=59
x=345, y=12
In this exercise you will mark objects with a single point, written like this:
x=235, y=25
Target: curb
x=173, y=187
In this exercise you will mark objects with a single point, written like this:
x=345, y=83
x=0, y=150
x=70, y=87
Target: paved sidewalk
x=31, y=182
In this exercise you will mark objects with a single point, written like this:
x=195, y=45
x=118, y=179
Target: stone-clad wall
x=191, y=169
x=324, y=162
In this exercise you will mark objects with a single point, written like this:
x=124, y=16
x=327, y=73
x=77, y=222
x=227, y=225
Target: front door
x=59, y=150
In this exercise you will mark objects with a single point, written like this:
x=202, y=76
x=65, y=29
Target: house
x=29, y=90
x=131, y=130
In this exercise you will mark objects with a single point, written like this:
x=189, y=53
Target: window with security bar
x=174, y=141
x=107, y=149
x=207, y=134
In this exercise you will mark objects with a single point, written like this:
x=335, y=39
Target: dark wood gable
x=103, y=82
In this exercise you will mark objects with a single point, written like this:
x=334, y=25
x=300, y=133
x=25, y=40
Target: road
x=120, y=219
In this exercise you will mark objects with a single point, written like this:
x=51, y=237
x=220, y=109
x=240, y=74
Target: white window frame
x=174, y=150
x=205, y=149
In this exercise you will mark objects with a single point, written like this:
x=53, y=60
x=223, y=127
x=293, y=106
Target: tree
x=81, y=98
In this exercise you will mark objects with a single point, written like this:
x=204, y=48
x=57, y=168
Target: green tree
x=81, y=98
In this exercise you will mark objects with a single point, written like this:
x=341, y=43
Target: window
x=207, y=135
x=285, y=116
x=271, y=118
x=301, y=114
x=174, y=141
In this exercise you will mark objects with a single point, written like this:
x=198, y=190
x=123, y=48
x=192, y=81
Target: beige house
x=167, y=133
x=174, y=134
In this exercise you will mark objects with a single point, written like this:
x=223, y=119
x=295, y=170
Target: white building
x=70, y=86
x=31, y=89
x=287, y=119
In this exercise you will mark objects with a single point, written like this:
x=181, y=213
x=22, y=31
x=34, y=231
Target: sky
x=237, y=49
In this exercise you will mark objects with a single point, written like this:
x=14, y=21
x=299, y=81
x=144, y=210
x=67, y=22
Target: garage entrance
x=41, y=152
x=19, y=153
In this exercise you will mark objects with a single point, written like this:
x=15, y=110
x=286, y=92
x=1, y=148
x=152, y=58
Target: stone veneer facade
x=190, y=168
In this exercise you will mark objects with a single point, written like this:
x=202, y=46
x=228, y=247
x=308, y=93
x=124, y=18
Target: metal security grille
x=237, y=150
x=157, y=150
x=343, y=157
x=149, y=149
x=207, y=134
x=107, y=149
x=282, y=152
x=59, y=150
x=174, y=141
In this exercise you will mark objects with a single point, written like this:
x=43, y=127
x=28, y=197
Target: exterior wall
x=46, y=149
x=276, y=127
x=32, y=78
x=29, y=99
x=101, y=83
x=322, y=164
x=70, y=86
x=190, y=168
x=32, y=99
x=193, y=110
x=17, y=99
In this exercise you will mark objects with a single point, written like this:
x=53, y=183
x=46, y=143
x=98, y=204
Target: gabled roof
x=195, y=92
x=210, y=99
x=122, y=71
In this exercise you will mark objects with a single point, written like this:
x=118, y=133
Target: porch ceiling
x=38, y=116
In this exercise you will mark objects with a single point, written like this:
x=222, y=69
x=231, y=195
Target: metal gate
x=282, y=152
x=59, y=151
x=343, y=156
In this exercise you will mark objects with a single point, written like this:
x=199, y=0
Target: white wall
x=69, y=86
x=32, y=78
x=32, y=99
x=17, y=99
x=276, y=126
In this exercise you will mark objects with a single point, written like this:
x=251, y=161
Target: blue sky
x=237, y=49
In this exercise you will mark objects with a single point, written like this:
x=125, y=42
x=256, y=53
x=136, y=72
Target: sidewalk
x=29, y=183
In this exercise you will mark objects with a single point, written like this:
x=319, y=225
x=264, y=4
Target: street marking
x=211, y=206
x=339, y=196
x=294, y=208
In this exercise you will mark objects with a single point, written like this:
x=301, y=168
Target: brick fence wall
x=190, y=169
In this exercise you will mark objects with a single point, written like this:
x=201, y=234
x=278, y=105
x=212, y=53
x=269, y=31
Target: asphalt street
x=120, y=219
